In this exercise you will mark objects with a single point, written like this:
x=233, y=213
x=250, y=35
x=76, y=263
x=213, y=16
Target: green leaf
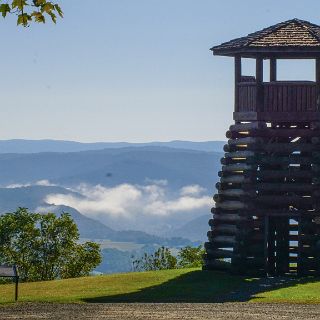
x=58, y=9
x=23, y=19
x=4, y=9
x=39, y=3
x=38, y=17
x=31, y=10
x=53, y=17
x=19, y=4
x=47, y=7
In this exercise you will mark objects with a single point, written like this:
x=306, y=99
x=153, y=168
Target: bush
x=44, y=247
x=163, y=259
x=191, y=257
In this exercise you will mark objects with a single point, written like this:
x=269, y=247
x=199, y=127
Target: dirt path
x=174, y=311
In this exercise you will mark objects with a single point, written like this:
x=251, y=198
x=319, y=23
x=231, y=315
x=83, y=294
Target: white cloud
x=17, y=185
x=194, y=189
x=163, y=207
x=45, y=183
x=98, y=199
x=132, y=201
x=159, y=182
x=45, y=209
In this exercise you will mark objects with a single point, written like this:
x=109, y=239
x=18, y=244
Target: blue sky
x=132, y=70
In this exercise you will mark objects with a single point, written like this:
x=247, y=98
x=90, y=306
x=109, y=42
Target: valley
x=130, y=199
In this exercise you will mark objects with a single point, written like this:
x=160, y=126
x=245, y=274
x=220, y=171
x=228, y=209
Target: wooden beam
x=232, y=205
x=212, y=264
x=259, y=81
x=221, y=240
x=282, y=245
x=278, y=116
x=273, y=147
x=247, y=140
x=228, y=218
x=248, y=126
x=273, y=69
x=219, y=253
x=237, y=79
x=318, y=82
x=276, y=133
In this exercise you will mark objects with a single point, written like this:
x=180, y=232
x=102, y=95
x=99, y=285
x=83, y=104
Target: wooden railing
x=279, y=96
x=290, y=96
x=246, y=97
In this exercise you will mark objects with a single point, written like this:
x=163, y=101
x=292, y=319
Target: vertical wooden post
x=300, y=247
x=318, y=82
x=282, y=249
x=16, y=280
x=266, y=247
x=237, y=79
x=259, y=82
x=271, y=248
x=286, y=246
x=273, y=69
x=16, y=289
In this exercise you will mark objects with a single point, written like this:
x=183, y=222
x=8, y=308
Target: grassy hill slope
x=184, y=285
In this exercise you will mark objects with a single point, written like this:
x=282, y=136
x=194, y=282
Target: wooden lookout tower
x=266, y=220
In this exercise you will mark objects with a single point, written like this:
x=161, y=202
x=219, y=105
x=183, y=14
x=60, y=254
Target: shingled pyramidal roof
x=297, y=35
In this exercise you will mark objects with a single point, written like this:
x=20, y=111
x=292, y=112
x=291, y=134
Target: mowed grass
x=182, y=285
x=163, y=286
x=302, y=291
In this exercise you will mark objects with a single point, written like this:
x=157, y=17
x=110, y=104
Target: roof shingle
x=295, y=33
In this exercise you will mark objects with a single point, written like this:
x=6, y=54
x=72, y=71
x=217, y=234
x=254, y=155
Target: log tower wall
x=266, y=218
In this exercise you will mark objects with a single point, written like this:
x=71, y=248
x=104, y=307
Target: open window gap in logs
x=266, y=218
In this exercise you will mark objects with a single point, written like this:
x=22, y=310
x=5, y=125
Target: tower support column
x=266, y=220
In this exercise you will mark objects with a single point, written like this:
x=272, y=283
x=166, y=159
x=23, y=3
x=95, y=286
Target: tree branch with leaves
x=28, y=11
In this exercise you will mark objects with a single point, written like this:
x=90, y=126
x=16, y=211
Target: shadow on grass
x=205, y=287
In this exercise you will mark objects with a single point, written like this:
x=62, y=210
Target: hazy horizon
x=104, y=141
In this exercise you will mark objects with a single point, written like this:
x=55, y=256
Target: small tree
x=191, y=257
x=161, y=259
x=45, y=246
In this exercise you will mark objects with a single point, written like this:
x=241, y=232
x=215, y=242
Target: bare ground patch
x=161, y=311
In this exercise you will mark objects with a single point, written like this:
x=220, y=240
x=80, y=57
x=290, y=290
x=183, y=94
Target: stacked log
x=267, y=204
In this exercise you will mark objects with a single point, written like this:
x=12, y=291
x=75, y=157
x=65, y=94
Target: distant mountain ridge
x=32, y=198
x=174, y=186
x=110, y=167
x=37, y=146
x=196, y=229
x=175, y=177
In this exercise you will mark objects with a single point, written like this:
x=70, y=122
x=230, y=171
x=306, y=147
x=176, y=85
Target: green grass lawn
x=169, y=285
x=304, y=291
x=182, y=285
